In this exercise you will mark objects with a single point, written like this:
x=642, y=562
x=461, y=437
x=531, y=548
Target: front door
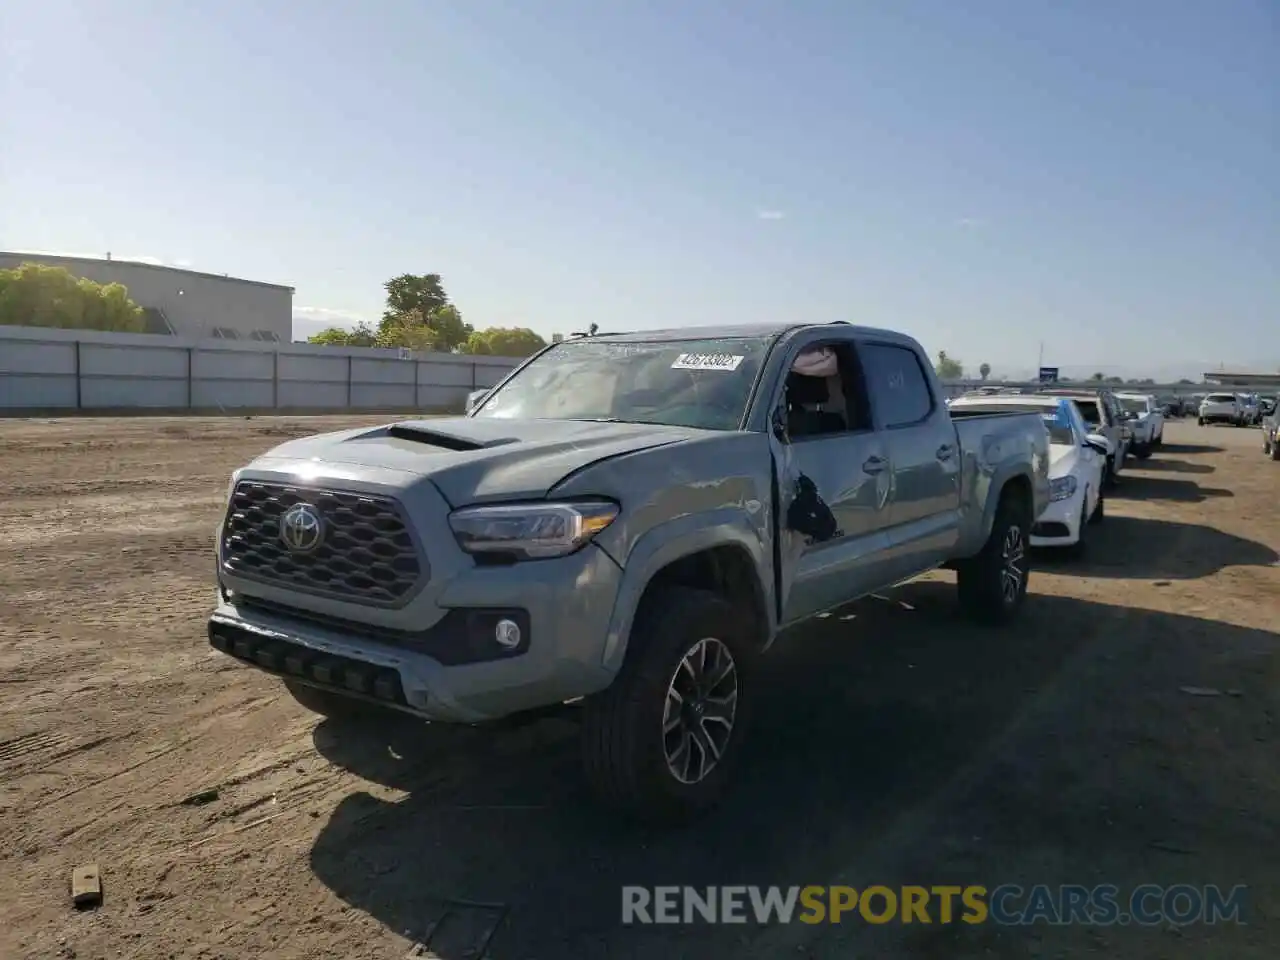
x=834, y=484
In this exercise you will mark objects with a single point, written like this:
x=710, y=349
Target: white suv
x=1221, y=408
x=1148, y=422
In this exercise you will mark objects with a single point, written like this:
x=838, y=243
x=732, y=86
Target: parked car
x=1271, y=434
x=1147, y=422
x=627, y=521
x=1250, y=410
x=1221, y=408
x=1077, y=462
x=1267, y=405
x=1103, y=415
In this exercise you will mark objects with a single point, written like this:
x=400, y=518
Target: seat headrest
x=802, y=389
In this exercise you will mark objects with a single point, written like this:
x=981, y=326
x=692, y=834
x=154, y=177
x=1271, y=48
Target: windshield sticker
x=707, y=361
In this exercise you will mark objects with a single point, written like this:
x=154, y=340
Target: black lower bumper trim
x=286, y=659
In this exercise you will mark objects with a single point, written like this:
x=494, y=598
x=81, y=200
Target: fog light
x=507, y=634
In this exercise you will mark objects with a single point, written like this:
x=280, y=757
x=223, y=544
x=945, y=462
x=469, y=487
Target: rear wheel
x=660, y=743
x=1200, y=420
x=993, y=584
x=1142, y=451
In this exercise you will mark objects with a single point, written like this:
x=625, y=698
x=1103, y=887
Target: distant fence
x=82, y=370
x=49, y=370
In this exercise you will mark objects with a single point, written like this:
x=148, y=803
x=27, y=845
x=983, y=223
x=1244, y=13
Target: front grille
x=366, y=553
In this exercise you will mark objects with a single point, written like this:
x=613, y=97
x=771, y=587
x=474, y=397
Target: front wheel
x=660, y=743
x=1142, y=451
x=1200, y=420
x=993, y=584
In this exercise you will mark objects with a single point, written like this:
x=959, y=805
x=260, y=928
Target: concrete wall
x=70, y=370
x=195, y=303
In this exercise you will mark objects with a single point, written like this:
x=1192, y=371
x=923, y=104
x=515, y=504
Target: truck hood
x=474, y=460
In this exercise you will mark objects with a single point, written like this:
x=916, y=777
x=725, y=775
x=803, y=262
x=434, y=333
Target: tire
x=1200, y=420
x=1275, y=451
x=632, y=763
x=982, y=581
x=1143, y=451
x=332, y=705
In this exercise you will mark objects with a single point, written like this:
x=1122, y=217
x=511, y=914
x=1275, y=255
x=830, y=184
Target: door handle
x=873, y=465
x=945, y=451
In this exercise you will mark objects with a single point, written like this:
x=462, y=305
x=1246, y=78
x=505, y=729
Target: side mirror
x=474, y=399
x=1096, y=441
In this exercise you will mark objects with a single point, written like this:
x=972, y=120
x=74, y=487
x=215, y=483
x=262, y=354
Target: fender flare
x=999, y=480
x=667, y=543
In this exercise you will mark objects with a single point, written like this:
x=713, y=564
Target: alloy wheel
x=700, y=710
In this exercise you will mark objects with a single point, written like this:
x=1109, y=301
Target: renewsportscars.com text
x=1006, y=905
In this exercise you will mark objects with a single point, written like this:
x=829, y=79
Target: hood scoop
x=444, y=439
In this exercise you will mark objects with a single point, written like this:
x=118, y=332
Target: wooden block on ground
x=86, y=886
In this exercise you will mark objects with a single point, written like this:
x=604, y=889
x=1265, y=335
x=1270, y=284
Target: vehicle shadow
x=865, y=719
x=1133, y=487
x=1168, y=447
x=1137, y=548
x=1172, y=466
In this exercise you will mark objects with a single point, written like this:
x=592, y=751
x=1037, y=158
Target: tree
x=947, y=368
x=409, y=292
x=420, y=316
x=36, y=295
x=984, y=371
x=504, y=342
x=1099, y=377
x=363, y=335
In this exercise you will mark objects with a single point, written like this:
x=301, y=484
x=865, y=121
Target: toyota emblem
x=302, y=528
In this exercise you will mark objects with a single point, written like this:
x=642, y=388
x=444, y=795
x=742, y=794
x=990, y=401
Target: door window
x=900, y=387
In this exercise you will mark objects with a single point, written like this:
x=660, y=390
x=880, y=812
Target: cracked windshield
x=519, y=481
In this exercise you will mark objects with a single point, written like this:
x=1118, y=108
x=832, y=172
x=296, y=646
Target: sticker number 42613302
x=706, y=361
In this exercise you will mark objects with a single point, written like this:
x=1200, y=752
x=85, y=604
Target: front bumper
x=1059, y=525
x=453, y=671
x=435, y=653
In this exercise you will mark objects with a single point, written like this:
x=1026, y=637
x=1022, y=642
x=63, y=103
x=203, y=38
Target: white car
x=1148, y=427
x=1220, y=408
x=1076, y=462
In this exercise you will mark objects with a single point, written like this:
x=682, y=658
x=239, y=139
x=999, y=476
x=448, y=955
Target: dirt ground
x=895, y=744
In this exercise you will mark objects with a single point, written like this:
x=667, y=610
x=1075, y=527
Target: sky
x=1102, y=178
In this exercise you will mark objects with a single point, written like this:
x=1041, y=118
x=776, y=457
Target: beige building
x=185, y=302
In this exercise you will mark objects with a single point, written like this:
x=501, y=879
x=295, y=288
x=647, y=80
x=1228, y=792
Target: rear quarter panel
x=994, y=450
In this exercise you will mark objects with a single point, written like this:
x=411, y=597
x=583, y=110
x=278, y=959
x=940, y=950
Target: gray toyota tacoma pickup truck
x=625, y=523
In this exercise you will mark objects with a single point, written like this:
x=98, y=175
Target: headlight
x=530, y=531
x=1063, y=488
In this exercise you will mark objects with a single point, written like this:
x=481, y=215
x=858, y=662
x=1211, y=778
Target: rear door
x=834, y=490
x=924, y=518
